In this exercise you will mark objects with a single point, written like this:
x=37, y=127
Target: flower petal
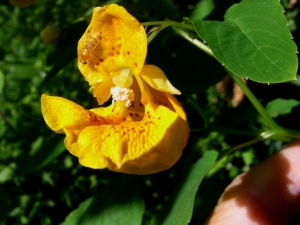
x=102, y=91
x=142, y=147
x=60, y=113
x=113, y=41
x=157, y=79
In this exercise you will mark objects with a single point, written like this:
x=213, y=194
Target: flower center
x=121, y=94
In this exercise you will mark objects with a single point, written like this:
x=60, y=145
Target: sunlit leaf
x=178, y=209
x=281, y=106
x=253, y=41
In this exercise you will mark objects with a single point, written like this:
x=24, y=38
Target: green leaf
x=118, y=203
x=253, y=41
x=178, y=209
x=281, y=106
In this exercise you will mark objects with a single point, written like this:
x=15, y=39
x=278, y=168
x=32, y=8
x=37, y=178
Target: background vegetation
x=42, y=183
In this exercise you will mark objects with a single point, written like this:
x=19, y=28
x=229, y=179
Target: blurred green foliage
x=41, y=183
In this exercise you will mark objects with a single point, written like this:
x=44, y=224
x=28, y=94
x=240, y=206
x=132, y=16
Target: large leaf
x=178, y=209
x=118, y=203
x=253, y=41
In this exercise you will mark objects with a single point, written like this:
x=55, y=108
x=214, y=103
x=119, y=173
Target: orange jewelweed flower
x=145, y=128
x=144, y=138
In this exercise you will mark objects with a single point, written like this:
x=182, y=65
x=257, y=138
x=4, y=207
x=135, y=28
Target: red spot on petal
x=130, y=114
x=119, y=45
x=135, y=64
x=128, y=52
x=113, y=48
x=97, y=64
x=101, y=60
x=124, y=119
x=158, y=118
x=118, y=52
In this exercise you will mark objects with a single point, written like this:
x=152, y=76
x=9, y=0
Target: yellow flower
x=113, y=50
x=144, y=138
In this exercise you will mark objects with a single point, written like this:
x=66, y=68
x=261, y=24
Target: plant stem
x=169, y=23
x=194, y=41
x=261, y=110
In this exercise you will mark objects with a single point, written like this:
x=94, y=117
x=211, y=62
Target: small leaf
x=253, y=42
x=202, y=9
x=118, y=203
x=281, y=106
x=178, y=209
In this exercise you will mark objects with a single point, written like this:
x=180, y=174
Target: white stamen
x=120, y=94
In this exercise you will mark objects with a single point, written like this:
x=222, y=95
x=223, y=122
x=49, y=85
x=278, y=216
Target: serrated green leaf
x=281, y=106
x=253, y=41
x=118, y=203
x=178, y=209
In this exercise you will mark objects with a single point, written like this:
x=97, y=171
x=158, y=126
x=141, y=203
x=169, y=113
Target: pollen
x=121, y=94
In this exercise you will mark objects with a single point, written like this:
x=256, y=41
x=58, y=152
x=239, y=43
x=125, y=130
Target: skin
x=268, y=194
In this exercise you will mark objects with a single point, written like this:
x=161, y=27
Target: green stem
x=169, y=23
x=261, y=110
x=261, y=137
x=194, y=41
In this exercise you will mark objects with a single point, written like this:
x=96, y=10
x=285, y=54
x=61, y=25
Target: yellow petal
x=157, y=79
x=102, y=91
x=60, y=113
x=113, y=41
x=142, y=147
x=108, y=137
